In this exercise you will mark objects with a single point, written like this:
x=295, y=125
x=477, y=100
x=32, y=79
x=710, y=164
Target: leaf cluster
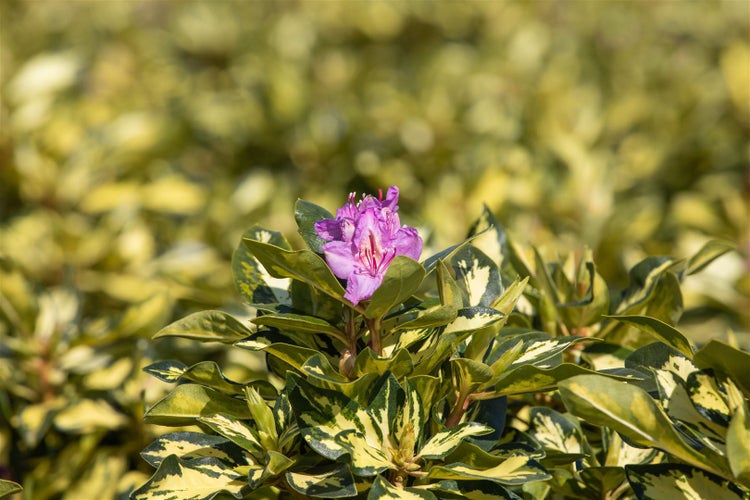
x=453, y=380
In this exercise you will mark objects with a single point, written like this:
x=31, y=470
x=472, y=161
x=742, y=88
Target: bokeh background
x=139, y=139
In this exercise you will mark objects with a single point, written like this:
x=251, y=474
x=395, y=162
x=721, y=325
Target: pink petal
x=340, y=258
x=361, y=286
x=328, y=229
x=408, y=242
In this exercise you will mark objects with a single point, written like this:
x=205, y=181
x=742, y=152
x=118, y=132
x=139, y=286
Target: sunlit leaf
x=678, y=481
x=203, y=479
x=215, y=326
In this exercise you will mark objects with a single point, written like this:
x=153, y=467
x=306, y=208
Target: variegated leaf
x=192, y=445
x=514, y=470
x=200, y=479
x=381, y=488
x=680, y=408
x=236, y=431
x=410, y=419
x=662, y=481
x=448, y=290
x=708, y=398
x=276, y=463
x=432, y=316
x=554, y=431
x=443, y=442
x=263, y=417
x=188, y=402
x=725, y=359
x=319, y=367
x=366, y=458
x=168, y=370
x=470, y=319
x=475, y=490
x=247, y=274
x=477, y=275
x=540, y=350
x=738, y=439
x=329, y=482
x=630, y=411
x=323, y=414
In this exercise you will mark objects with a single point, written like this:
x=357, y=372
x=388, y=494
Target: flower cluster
x=362, y=241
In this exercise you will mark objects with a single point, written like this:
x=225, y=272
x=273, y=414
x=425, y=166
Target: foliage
x=407, y=394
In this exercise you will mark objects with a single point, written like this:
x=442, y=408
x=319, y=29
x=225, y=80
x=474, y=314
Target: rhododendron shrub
x=391, y=377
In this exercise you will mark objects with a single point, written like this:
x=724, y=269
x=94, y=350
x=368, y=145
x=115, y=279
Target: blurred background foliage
x=139, y=139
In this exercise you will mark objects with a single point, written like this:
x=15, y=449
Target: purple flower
x=362, y=241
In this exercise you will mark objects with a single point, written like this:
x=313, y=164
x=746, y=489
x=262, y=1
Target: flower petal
x=328, y=229
x=408, y=242
x=340, y=258
x=361, y=286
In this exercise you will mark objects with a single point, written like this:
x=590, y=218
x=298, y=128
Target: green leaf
x=381, y=488
x=443, y=442
x=302, y=265
x=708, y=253
x=306, y=214
x=300, y=323
x=603, y=480
x=529, y=378
x=192, y=445
x=263, y=417
x=248, y=276
x=630, y=411
x=659, y=330
x=8, y=488
x=661, y=481
x=200, y=479
x=401, y=280
x=400, y=363
x=187, y=402
x=325, y=482
x=723, y=358
x=293, y=355
x=216, y=326
x=468, y=374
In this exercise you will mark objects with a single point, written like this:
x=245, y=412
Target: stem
x=374, y=325
x=462, y=403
